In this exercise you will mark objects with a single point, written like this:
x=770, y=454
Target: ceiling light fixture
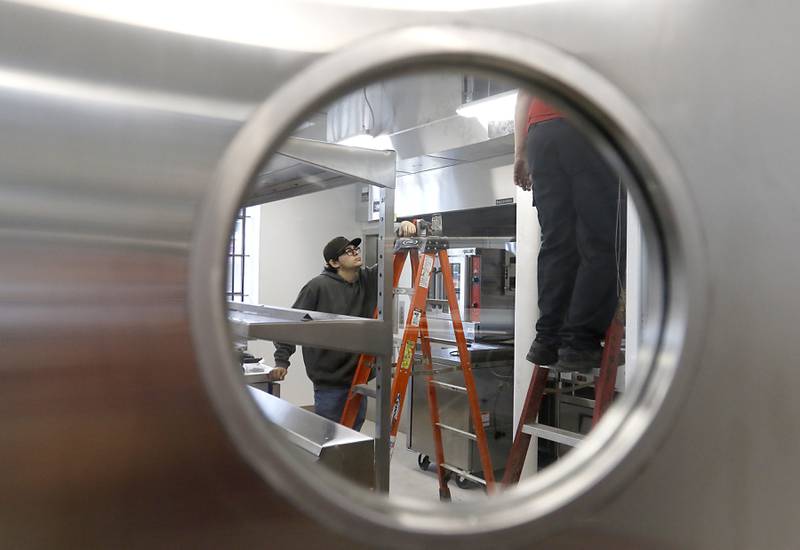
x=380, y=142
x=498, y=107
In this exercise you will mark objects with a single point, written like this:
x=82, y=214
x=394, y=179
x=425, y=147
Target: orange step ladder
x=604, y=395
x=358, y=387
x=416, y=329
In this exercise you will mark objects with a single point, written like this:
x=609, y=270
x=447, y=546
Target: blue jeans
x=329, y=403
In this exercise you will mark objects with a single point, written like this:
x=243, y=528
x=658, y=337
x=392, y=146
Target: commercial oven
x=484, y=281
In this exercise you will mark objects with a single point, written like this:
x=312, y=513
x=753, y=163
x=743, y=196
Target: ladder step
x=403, y=291
x=463, y=473
x=468, y=435
x=365, y=390
x=580, y=401
x=446, y=386
x=550, y=433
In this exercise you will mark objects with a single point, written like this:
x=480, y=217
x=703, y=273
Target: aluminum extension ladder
x=604, y=395
x=416, y=328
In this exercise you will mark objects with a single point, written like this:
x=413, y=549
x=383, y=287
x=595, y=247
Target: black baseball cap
x=336, y=246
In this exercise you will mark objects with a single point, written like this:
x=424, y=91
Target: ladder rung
x=404, y=291
x=456, y=430
x=451, y=387
x=364, y=389
x=551, y=433
x=464, y=473
x=574, y=400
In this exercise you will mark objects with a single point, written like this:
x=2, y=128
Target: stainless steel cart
x=493, y=367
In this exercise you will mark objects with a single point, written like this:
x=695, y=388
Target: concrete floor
x=408, y=480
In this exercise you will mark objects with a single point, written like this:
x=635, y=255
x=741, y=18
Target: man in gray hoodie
x=345, y=288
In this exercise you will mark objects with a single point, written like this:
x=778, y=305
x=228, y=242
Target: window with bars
x=237, y=259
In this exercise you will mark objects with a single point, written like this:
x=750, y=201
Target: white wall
x=252, y=248
x=633, y=292
x=293, y=234
x=526, y=310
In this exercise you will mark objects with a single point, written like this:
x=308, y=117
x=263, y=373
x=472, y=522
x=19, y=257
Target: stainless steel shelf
x=337, y=332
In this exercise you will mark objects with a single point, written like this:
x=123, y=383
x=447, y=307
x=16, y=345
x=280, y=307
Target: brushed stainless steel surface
x=403, y=104
x=305, y=166
x=297, y=326
x=108, y=436
x=464, y=143
x=463, y=185
x=551, y=500
x=417, y=113
x=308, y=431
x=493, y=370
x=347, y=452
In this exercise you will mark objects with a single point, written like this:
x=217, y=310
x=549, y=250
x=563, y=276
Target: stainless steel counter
x=480, y=354
x=344, y=451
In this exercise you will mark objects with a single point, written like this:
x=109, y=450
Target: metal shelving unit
x=303, y=166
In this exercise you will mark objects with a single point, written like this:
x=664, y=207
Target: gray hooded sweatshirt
x=329, y=293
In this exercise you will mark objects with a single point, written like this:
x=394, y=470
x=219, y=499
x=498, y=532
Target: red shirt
x=541, y=111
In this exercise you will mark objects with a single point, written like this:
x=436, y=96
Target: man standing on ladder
x=344, y=288
x=581, y=212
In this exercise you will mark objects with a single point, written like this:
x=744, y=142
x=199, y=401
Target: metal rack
x=303, y=166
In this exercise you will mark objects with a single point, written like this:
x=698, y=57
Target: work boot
x=542, y=354
x=583, y=361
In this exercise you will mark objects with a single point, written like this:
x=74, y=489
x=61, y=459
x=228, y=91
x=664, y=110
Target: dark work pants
x=581, y=207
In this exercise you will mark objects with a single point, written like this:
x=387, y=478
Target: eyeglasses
x=350, y=251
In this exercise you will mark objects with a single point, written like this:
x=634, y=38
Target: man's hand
x=522, y=177
x=406, y=229
x=277, y=374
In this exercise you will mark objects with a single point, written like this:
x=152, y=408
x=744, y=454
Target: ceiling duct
x=419, y=114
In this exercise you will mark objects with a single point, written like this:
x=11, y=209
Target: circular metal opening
x=628, y=433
